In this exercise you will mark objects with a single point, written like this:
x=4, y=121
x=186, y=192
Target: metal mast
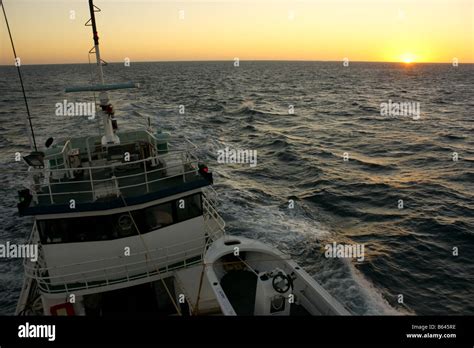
x=106, y=107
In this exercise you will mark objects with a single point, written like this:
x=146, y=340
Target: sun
x=407, y=58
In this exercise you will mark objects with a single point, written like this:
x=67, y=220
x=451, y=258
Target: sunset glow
x=419, y=31
x=408, y=58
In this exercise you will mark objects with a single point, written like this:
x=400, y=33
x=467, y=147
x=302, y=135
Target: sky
x=53, y=31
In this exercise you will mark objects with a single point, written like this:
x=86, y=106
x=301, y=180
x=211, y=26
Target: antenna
x=107, y=111
x=93, y=9
x=110, y=125
x=31, y=136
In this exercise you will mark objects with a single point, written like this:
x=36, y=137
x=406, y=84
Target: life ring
x=125, y=222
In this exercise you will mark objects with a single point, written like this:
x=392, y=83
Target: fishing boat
x=127, y=222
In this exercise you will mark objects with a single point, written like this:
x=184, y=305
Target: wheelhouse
x=110, y=226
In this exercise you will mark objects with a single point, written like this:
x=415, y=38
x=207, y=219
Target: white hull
x=253, y=266
x=235, y=277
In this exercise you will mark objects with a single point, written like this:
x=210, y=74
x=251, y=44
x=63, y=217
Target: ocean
x=330, y=168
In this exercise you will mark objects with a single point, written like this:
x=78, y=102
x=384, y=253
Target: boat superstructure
x=113, y=211
x=109, y=224
x=126, y=222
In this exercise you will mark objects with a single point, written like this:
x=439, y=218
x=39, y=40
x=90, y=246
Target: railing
x=212, y=220
x=91, y=187
x=61, y=155
x=120, y=269
x=148, y=264
x=126, y=138
x=211, y=195
x=83, y=143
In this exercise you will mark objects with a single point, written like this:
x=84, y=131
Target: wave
x=246, y=108
x=287, y=157
x=372, y=165
x=217, y=120
x=300, y=156
x=452, y=136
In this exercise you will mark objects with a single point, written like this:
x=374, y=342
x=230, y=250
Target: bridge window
x=108, y=227
x=188, y=207
x=153, y=218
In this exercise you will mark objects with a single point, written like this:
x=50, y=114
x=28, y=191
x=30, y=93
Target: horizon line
x=243, y=60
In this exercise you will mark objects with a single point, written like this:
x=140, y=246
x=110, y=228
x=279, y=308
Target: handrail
x=191, y=160
x=119, y=187
x=92, y=275
x=66, y=143
x=113, y=274
x=211, y=214
x=117, y=164
x=145, y=261
x=120, y=177
x=144, y=132
x=211, y=195
x=45, y=286
x=145, y=252
x=215, y=215
x=59, y=154
x=123, y=271
x=131, y=134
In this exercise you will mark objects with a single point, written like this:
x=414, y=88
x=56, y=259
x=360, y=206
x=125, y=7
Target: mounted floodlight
x=35, y=159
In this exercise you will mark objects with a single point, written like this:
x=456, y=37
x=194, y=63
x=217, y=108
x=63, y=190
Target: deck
x=76, y=177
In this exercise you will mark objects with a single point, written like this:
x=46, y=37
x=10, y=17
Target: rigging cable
x=17, y=64
x=147, y=253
